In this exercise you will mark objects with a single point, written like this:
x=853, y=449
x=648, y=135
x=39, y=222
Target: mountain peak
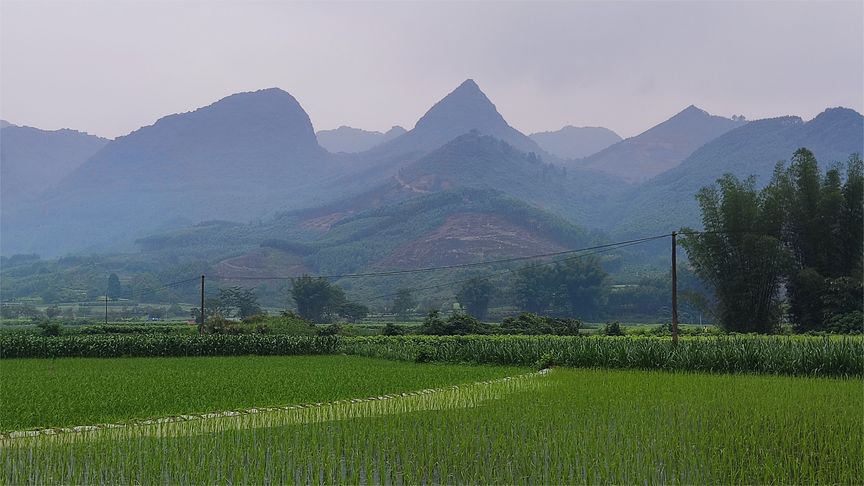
x=465, y=108
x=692, y=110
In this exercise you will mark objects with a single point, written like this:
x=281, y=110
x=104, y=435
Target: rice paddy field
x=566, y=426
x=791, y=412
x=42, y=393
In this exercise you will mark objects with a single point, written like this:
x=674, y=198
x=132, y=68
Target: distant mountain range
x=354, y=140
x=660, y=148
x=33, y=161
x=218, y=182
x=667, y=202
x=575, y=142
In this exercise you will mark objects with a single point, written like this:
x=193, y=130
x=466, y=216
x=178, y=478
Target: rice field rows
x=39, y=393
x=567, y=426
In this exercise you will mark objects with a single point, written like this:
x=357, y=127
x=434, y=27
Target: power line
x=604, y=249
x=450, y=267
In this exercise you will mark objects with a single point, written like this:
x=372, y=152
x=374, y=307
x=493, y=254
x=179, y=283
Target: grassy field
x=81, y=391
x=567, y=426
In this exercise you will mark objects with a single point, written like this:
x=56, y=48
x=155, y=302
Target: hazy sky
x=109, y=67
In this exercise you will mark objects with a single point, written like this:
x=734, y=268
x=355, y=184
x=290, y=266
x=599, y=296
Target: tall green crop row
x=740, y=354
x=807, y=356
x=143, y=345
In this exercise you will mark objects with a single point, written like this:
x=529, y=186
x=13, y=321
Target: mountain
x=465, y=109
x=354, y=140
x=660, y=148
x=667, y=201
x=575, y=142
x=4, y=124
x=238, y=158
x=455, y=226
x=33, y=161
x=482, y=162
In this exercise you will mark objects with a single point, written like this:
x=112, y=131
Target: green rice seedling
x=86, y=391
x=570, y=426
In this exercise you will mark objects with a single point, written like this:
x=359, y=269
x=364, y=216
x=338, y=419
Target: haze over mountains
x=253, y=161
x=575, y=142
x=34, y=160
x=660, y=148
x=353, y=140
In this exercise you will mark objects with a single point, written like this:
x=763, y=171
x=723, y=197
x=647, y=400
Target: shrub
x=50, y=328
x=612, y=329
x=391, y=329
x=528, y=323
x=455, y=325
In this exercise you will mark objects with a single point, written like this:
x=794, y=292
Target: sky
x=110, y=67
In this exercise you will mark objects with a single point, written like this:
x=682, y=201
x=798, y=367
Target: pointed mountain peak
x=468, y=85
x=465, y=108
x=692, y=110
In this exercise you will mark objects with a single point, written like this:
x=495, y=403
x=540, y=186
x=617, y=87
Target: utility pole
x=674, y=288
x=201, y=324
x=106, y=308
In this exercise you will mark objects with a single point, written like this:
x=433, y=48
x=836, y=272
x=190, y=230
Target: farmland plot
x=565, y=426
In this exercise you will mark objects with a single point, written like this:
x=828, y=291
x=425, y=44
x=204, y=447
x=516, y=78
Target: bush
x=50, y=328
x=20, y=345
x=612, y=329
x=391, y=329
x=219, y=325
x=528, y=323
x=455, y=325
x=849, y=323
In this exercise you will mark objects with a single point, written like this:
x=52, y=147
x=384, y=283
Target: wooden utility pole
x=201, y=324
x=674, y=288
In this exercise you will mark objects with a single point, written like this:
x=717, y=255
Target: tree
x=583, y=284
x=115, y=289
x=474, y=297
x=239, y=300
x=823, y=230
x=212, y=307
x=740, y=254
x=315, y=297
x=353, y=311
x=535, y=287
x=52, y=312
x=404, y=304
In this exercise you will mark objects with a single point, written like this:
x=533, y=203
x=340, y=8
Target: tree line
x=791, y=251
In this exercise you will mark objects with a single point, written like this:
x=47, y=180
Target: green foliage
x=50, y=328
x=391, y=329
x=115, y=289
x=804, y=229
x=52, y=312
x=353, y=311
x=807, y=356
x=528, y=323
x=457, y=324
x=612, y=329
x=474, y=296
x=239, y=301
x=404, y=303
x=15, y=345
x=563, y=427
x=740, y=255
x=76, y=391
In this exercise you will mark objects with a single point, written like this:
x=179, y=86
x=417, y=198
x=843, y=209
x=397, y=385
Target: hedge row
x=145, y=345
x=806, y=356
